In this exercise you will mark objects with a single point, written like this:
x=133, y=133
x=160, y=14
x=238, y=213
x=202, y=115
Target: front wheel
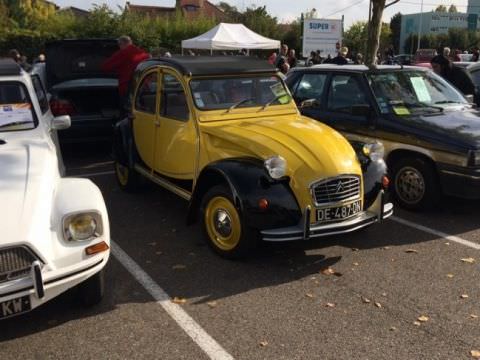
x=128, y=179
x=415, y=183
x=91, y=291
x=224, y=229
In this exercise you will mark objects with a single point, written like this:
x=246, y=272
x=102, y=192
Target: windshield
x=406, y=92
x=16, y=111
x=230, y=93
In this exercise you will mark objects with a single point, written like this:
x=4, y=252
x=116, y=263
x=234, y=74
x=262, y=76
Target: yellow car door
x=175, y=134
x=145, y=116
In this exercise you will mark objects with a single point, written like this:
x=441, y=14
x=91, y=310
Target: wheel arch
x=398, y=154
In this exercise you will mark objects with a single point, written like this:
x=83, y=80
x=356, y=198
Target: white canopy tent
x=230, y=37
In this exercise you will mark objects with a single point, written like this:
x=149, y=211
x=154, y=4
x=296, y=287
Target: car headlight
x=276, y=166
x=374, y=151
x=475, y=158
x=82, y=226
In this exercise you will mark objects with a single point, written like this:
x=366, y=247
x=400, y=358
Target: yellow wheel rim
x=122, y=174
x=223, y=223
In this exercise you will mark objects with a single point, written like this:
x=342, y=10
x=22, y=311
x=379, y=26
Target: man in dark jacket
x=341, y=59
x=123, y=62
x=457, y=76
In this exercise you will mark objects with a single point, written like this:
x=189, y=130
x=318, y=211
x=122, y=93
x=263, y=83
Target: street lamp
x=420, y=25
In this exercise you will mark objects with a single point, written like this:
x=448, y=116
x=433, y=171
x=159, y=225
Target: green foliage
x=355, y=38
x=452, y=9
x=461, y=39
x=441, y=8
x=395, y=28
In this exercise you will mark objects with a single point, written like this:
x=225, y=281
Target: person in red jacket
x=124, y=62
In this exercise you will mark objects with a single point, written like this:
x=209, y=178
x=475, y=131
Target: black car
x=80, y=89
x=430, y=132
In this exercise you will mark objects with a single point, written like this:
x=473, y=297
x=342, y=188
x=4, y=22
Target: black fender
x=249, y=182
x=373, y=173
x=124, y=151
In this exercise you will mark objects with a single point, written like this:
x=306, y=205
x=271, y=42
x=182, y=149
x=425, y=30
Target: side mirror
x=470, y=98
x=309, y=103
x=361, y=110
x=61, y=122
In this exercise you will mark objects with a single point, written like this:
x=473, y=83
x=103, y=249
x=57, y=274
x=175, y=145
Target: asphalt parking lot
x=406, y=289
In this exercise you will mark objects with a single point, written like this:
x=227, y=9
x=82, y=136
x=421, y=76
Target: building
x=439, y=22
x=77, y=12
x=189, y=8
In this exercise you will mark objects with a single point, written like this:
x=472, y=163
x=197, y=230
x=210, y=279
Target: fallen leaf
x=331, y=305
x=159, y=253
x=468, y=260
x=378, y=305
x=365, y=300
x=417, y=323
x=411, y=251
x=179, y=300
x=464, y=296
x=313, y=278
x=328, y=271
x=263, y=343
x=212, y=304
x=393, y=328
x=179, y=267
x=475, y=354
x=356, y=264
x=384, y=294
x=447, y=243
x=192, y=254
x=309, y=295
x=450, y=276
x=473, y=316
x=423, y=318
x=386, y=247
x=354, y=249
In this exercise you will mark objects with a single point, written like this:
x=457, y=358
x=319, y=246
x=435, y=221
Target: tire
x=92, y=290
x=237, y=239
x=415, y=183
x=127, y=179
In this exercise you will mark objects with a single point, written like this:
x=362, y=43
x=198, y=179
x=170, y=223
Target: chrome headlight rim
x=276, y=167
x=375, y=151
x=68, y=219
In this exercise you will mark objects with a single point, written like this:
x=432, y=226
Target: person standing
x=475, y=55
x=282, y=57
x=124, y=62
x=457, y=76
x=341, y=58
x=14, y=54
x=292, y=59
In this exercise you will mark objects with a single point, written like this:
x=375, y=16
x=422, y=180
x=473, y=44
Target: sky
x=287, y=10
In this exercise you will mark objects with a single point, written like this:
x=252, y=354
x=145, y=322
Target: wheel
x=224, y=229
x=128, y=179
x=91, y=291
x=415, y=183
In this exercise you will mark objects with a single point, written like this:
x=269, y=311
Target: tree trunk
x=374, y=30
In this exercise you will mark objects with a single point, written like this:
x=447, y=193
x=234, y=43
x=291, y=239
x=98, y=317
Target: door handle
x=157, y=123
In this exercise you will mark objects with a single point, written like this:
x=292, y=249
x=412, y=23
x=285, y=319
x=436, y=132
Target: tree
x=395, y=28
x=374, y=30
x=452, y=9
x=441, y=8
x=311, y=14
x=356, y=36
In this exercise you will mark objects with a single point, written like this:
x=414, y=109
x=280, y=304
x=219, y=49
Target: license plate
x=340, y=212
x=15, y=307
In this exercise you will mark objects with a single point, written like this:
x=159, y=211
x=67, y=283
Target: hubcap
x=410, y=185
x=223, y=222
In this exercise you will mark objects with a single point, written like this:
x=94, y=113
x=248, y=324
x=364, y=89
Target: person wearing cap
x=455, y=75
x=124, y=62
x=341, y=58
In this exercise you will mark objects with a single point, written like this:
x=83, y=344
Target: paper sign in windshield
x=280, y=93
x=15, y=114
x=401, y=110
x=421, y=90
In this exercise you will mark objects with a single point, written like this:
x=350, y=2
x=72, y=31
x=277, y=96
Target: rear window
x=16, y=110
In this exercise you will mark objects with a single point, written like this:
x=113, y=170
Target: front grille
x=15, y=262
x=335, y=190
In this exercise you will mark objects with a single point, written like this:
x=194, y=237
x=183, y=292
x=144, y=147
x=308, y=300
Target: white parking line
x=446, y=236
x=103, y=173
x=193, y=329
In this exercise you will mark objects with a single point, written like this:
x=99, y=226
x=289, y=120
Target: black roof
x=9, y=67
x=212, y=65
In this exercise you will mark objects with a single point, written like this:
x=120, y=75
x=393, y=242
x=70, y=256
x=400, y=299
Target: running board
x=164, y=183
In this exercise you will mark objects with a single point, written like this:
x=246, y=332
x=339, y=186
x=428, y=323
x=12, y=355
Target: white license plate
x=340, y=212
x=15, y=306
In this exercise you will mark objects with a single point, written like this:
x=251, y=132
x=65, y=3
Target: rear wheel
x=415, y=183
x=224, y=229
x=91, y=291
x=128, y=179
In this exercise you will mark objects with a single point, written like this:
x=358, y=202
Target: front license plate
x=339, y=213
x=15, y=307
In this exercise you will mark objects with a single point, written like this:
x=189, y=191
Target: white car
x=55, y=231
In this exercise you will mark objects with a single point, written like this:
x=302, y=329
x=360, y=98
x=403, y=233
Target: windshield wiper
x=423, y=105
x=448, y=102
x=273, y=100
x=15, y=123
x=239, y=103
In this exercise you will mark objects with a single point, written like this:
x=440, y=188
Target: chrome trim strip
x=164, y=183
x=472, y=177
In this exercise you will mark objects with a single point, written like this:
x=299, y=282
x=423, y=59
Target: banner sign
x=323, y=35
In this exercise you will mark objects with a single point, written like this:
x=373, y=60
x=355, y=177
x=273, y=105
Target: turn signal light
x=385, y=182
x=97, y=248
x=263, y=204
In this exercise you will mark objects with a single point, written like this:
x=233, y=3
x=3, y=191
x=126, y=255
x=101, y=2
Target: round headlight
x=374, y=151
x=276, y=166
x=82, y=227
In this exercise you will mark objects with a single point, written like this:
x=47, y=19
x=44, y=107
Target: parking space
x=392, y=291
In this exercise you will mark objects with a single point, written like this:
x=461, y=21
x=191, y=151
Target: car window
x=41, y=95
x=174, y=102
x=146, y=100
x=310, y=87
x=344, y=92
x=16, y=110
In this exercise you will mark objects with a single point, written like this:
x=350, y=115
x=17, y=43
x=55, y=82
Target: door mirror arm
x=309, y=103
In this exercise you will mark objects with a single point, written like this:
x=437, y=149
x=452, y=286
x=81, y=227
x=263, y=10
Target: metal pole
x=420, y=25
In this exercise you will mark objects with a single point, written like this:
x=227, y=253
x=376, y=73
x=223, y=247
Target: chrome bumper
x=305, y=231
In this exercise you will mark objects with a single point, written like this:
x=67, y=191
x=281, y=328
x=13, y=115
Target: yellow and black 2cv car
x=224, y=134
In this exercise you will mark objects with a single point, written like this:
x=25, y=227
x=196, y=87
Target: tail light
x=61, y=107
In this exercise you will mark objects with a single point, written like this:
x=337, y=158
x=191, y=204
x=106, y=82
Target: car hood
x=313, y=150
x=29, y=172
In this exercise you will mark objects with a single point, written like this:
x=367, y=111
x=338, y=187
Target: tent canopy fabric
x=230, y=37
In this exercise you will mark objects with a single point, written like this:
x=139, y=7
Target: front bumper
x=460, y=182
x=305, y=231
